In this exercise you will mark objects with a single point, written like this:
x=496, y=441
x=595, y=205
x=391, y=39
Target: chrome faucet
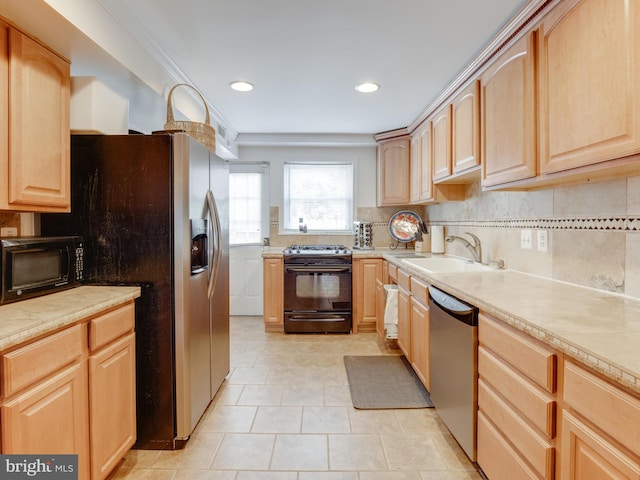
x=475, y=249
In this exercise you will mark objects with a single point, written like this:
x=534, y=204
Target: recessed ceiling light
x=241, y=86
x=367, y=87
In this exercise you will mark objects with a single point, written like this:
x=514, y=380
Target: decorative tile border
x=618, y=223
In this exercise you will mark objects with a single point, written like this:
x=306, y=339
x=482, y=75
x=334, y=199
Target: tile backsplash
x=10, y=220
x=378, y=216
x=593, y=231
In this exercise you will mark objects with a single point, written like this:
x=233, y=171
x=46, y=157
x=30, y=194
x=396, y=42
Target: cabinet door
x=587, y=455
x=589, y=80
x=50, y=418
x=273, y=293
x=420, y=341
x=380, y=300
x=416, y=168
x=4, y=114
x=508, y=116
x=366, y=273
x=441, y=141
x=404, y=322
x=466, y=129
x=497, y=457
x=112, y=387
x=39, y=158
x=393, y=172
x=426, y=164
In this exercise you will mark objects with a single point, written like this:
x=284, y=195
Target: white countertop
x=597, y=328
x=28, y=319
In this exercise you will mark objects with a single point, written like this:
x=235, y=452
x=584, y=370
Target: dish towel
x=391, y=312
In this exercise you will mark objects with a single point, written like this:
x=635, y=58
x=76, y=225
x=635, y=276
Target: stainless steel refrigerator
x=153, y=210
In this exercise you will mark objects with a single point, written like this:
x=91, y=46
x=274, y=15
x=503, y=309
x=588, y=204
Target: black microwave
x=34, y=266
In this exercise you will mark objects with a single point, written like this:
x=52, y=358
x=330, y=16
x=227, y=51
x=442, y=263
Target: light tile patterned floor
x=285, y=413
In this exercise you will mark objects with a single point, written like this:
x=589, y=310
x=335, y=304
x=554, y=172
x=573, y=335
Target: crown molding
x=148, y=44
x=305, y=140
x=513, y=30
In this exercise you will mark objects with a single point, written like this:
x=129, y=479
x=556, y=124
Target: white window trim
x=262, y=168
x=295, y=231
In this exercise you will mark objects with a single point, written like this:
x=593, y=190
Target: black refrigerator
x=153, y=211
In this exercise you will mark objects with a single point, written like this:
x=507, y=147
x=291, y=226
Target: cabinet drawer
x=539, y=452
x=106, y=328
x=531, y=358
x=609, y=408
x=498, y=459
x=393, y=272
x=32, y=362
x=404, y=280
x=420, y=291
x=535, y=404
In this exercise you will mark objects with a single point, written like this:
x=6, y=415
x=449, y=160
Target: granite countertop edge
x=23, y=321
x=619, y=372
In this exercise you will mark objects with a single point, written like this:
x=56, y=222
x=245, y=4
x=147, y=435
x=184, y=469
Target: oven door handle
x=317, y=269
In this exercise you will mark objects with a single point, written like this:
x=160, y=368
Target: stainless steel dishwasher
x=453, y=365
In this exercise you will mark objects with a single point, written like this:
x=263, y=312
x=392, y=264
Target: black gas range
x=324, y=250
x=317, y=289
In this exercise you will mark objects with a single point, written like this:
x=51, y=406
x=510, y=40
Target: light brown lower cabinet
x=413, y=324
x=73, y=392
x=112, y=390
x=587, y=454
x=45, y=397
x=544, y=416
x=381, y=305
x=600, y=428
x=50, y=417
x=420, y=341
x=404, y=322
x=516, y=403
x=420, y=330
x=366, y=272
x=273, y=295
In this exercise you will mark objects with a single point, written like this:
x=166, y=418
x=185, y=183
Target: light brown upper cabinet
x=393, y=171
x=34, y=123
x=441, y=141
x=465, y=124
x=456, y=138
x=589, y=81
x=421, y=181
x=414, y=168
x=423, y=190
x=508, y=115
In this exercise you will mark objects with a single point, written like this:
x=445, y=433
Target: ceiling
x=306, y=56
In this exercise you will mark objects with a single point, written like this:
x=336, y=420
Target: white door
x=248, y=228
x=245, y=280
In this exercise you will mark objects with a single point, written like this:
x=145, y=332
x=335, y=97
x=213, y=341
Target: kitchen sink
x=445, y=265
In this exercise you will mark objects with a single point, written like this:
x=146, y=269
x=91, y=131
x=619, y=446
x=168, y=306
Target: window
x=319, y=196
x=247, y=190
